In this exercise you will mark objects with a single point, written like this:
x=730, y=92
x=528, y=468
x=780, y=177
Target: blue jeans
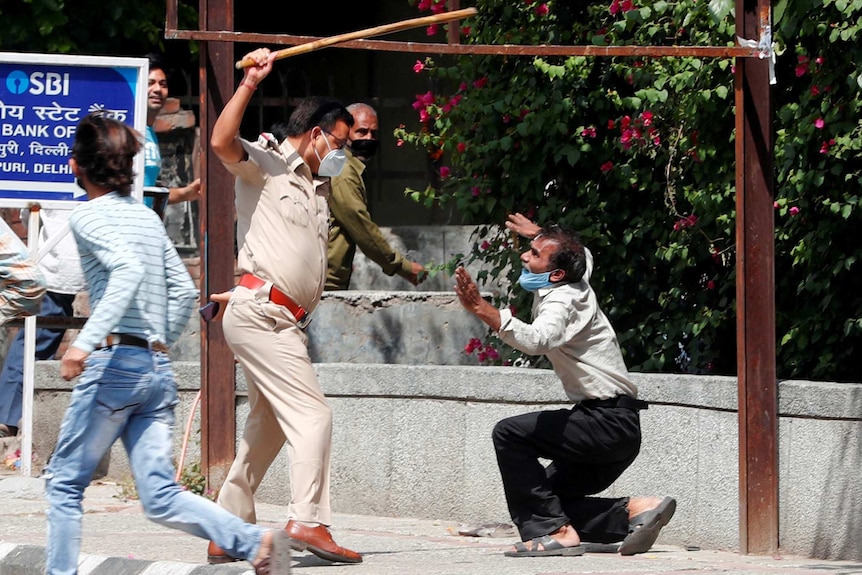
x=47, y=343
x=129, y=393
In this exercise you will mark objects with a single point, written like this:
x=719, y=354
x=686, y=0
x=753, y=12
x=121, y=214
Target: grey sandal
x=644, y=528
x=551, y=548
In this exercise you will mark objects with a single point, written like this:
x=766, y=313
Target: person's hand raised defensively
x=522, y=226
x=469, y=296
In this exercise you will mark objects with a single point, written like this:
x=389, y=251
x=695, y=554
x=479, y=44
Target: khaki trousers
x=286, y=404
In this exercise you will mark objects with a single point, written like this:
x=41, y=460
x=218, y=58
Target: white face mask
x=333, y=162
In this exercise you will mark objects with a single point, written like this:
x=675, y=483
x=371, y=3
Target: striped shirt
x=21, y=283
x=138, y=284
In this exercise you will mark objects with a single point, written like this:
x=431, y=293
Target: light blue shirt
x=137, y=282
x=152, y=158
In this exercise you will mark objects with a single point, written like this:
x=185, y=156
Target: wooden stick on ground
x=367, y=33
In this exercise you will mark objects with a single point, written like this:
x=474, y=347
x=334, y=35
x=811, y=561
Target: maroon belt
x=277, y=296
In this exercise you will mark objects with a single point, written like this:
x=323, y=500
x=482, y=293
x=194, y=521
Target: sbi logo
x=38, y=83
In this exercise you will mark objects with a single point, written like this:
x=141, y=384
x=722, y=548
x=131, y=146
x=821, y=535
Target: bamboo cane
x=367, y=33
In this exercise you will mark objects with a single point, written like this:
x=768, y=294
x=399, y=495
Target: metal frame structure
x=756, y=370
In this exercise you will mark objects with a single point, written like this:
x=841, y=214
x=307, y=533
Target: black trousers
x=589, y=447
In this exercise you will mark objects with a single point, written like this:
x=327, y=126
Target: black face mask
x=364, y=148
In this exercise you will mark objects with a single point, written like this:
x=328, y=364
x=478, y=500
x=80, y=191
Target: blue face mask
x=532, y=282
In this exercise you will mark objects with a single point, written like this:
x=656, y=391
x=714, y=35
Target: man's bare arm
x=226, y=129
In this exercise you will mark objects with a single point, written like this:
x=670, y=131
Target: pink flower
x=794, y=211
x=801, y=69
x=461, y=147
x=465, y=30
x=819, y=60
x=607, y=166
x=647, y=116
x=589, y=132
x=475, y=190
x=541, y=10
x=472, y=345
x=418, y=66
x=485, y=245
x=444, y=172
x=775, y=205
x=462, y=87
x=611, y=124
x=528, y=2
x=438, y=7
x=615, y=7
x=625, y=121
x=432, y=29
x=423, y=116
x=819, y=123
x=627, y=5
x=686, y=222
x=424, y=5
x=399, y=143
x=626, y=139
x=423, y=100
x=507, y=118
x=815, y=91
x=824, y=149
x=710, y=284
x=478, y=84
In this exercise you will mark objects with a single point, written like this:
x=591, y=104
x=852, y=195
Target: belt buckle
x=303, y=323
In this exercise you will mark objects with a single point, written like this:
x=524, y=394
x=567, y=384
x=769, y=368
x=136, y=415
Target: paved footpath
x=119, y=540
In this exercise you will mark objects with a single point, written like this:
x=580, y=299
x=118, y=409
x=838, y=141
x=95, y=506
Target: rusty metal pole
x=755, y=290
x=218, y=398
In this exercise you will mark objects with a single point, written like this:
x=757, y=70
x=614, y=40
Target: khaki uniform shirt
x=350, y=225
x=572, y=331
x=288, y=226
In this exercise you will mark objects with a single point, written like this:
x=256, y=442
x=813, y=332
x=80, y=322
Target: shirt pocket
x=294, y=205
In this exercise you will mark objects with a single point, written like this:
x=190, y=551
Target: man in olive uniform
x=350, y=224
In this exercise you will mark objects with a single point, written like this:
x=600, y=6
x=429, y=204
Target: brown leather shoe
x=319, y=541
x=216, y=555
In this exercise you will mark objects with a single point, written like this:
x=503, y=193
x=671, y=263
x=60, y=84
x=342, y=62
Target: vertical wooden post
x=755, y=290
x=218, y=397
x=453, y=34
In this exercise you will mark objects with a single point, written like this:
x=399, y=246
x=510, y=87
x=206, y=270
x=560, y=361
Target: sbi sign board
x=42, y=99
